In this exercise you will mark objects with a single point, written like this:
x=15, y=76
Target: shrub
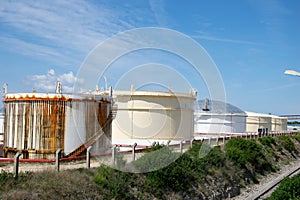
x=289, y=188
x=267, y=141
x=297, y=137
x=244, y=152
x=112, y=183
x=177, y=176
x=155, y=160
x=287, y=143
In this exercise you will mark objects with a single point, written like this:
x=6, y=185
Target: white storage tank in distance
x=217, y=117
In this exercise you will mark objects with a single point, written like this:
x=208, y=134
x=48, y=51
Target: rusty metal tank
x=37, y=124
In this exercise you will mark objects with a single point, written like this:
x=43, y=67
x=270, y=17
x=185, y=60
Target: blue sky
x=251, y=42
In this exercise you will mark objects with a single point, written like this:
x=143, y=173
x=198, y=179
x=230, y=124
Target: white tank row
x=220, y=117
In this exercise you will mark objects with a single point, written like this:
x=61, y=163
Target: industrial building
x=213, y=116
x=37, y=124
x=147, y=116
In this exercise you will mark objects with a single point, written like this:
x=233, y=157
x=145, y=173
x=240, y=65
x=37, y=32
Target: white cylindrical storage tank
x=218, y=117
x=143, y=116
x=256, y=121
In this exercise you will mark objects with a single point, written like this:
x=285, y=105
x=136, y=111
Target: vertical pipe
x=15, y=134
x=133, y=151
x=16, y=164
x=57, y=160
x=9, y=125
x=88, y=157
x=23, y=146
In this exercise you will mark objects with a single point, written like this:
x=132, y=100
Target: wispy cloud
x=47, y=82
x=218, y=39
x=61, y=30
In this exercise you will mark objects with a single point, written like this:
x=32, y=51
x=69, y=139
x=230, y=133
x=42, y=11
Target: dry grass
x=69, y=184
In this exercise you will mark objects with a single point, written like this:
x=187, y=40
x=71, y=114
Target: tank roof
x=53, y=97
x=152, y=93
x=219, y=107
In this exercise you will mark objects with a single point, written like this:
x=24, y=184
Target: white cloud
x=61, y=31
x=218, y=39
x=47, y=82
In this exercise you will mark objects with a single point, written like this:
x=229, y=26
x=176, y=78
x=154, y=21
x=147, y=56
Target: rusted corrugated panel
x=36, y=123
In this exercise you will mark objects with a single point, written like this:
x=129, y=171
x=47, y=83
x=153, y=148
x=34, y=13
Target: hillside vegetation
x=220, y=174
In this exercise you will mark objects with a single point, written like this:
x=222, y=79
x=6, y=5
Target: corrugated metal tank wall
x=39, y=126
x=35, y=125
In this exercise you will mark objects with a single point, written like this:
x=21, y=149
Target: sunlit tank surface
x=1, y=131
x=39, y=123
x=218, y=117
x=150, y=115
x=257, y=121
x=279, y=123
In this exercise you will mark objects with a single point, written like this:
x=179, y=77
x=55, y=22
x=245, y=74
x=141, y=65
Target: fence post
x=113, y=155
x=88, y=157
x=57, y=158
x=181, y=146
x=133, y=151
x=16, y=163
x=192, y=140
x=168, y=143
